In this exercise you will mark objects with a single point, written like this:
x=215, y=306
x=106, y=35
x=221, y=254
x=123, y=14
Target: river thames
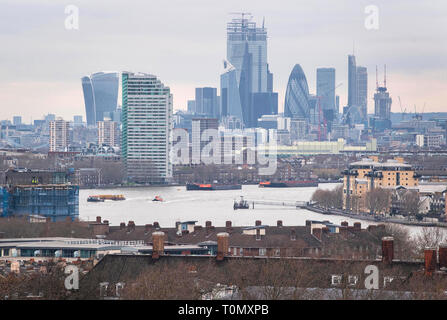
x=216, y=206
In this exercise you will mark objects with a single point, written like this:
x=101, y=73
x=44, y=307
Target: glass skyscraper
x=100, y=95
x=296, y=103
x=206, y=102
x=357, y=93
x=326, y=92
x=247, y=54
x=362, y=91
x=146, y=128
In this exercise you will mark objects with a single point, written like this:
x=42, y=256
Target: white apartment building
x=146, y=128
x=108, y=133
x=59, y=135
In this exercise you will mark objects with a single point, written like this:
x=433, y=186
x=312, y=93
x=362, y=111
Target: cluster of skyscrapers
x=246, y=100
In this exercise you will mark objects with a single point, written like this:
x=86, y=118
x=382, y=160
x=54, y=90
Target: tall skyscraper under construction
x=247, y=63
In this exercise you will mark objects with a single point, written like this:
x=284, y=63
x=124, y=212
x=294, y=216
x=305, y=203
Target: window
x=262, y=251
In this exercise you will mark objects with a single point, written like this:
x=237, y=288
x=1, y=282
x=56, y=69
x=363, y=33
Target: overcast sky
x=184, y=43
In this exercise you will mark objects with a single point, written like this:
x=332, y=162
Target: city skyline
x=297, y=34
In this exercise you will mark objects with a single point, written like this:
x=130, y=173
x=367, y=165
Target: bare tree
x=429, y=237
x=378, y=201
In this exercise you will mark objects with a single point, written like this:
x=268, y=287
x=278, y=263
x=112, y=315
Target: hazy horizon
x=184, y=43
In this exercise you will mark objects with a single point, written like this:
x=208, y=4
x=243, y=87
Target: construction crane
x=320, y=112
x=404, y=111
x=242, y=14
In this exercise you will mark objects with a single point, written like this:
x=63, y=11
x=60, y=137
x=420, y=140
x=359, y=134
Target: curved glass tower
x=296, y=104
x=100, y=95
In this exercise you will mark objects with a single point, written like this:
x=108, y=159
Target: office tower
x=314, y=114
x=264, y=103
x=108, y=133
x=59, y=135
x=355, y=112
x=296, y=104
x=199, y=125
x=247, y=54
x=242, y=34
x=362, y=92
x=50, y=117
x=230, y=105
x=77, y=120
x=192, y=106
x=337, y=105
x=146, y=128
x=17, y=120
x=352, y=81
x=326, y=93
x=382, y=104
x=206, y=102
x=100, y=95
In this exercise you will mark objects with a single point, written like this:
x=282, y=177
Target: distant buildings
x=17, y=120
x=199, y=126
x=100, y=95
x=108, y=133
x=207, y=102
x=368, y=174
x=146, y=128
x=59, y=135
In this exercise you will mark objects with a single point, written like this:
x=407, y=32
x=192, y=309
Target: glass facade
x=100, y=95
x=249, y=74
x=296, y=104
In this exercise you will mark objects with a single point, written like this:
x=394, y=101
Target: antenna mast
x=384, y=76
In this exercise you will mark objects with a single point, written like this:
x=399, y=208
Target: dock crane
x=320, y=113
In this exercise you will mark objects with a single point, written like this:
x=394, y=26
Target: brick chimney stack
x=258, y=222
x=222, y=245
x=387, y=249
x=228, y=226
x=130, y=226
x=343, y=230
x=345, y=224
x=106, y=222
x=156, y=225
x=158, y=240
x=122, y=225
x=293, y=235
x=357, y=226
x=279, y=223
x=98, y=219
x=430, y=261
x=443, y=255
